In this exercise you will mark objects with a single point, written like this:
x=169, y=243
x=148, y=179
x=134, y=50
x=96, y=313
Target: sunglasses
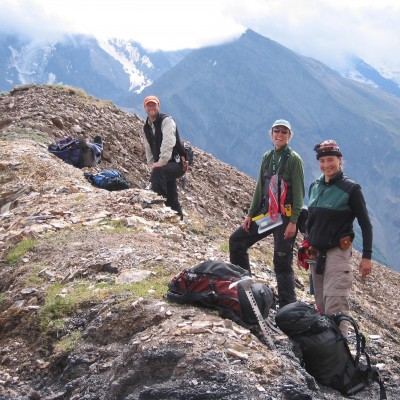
x=283, y=131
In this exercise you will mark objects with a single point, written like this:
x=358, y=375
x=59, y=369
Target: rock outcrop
x=84, y=273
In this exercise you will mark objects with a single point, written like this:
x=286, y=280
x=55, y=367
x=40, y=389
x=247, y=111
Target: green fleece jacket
x=293, y=175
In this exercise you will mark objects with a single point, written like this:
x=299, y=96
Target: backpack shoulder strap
x=268, y=158
x=360, y=346
x=373, y=373
x=284, y=161
x=281, y=169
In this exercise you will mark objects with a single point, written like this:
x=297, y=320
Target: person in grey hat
x=276, y=205
x=334, y=202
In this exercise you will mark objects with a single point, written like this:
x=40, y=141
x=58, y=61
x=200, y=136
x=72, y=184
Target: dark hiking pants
x=163, y=182
x=239, y=243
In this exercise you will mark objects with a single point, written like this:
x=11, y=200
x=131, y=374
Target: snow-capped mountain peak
x=129, y=56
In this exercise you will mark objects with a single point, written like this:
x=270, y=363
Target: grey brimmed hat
x=282, y=122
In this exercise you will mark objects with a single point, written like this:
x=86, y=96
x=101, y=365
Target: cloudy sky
x=328, y=30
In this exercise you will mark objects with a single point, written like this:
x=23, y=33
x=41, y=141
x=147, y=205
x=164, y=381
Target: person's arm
x=168, y=128
x=148, y=152
x=258, y=191
x=246, y=224
x=298, y=187
x=359, y=207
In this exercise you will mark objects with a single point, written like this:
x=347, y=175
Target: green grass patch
x=25, y=133
x=224, y=247
x=262, y=254
x=211, y=231
x=16, y=254
x=117, y=226
x=155, y=288
x=68, y=342
x=198, y=229
x=32, y=278
x=79, y=198
x=303, y=274
x=64, y=300
x=82, y=94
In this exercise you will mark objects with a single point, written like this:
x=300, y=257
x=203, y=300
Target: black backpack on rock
x=324, y=352
x=220, y=286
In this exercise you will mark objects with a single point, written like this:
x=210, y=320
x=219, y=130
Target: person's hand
x=365, y=267
x=246, y=224
x=156, y=165
x=290, y=231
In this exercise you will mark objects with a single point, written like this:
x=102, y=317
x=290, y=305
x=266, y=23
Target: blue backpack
x=111, y=180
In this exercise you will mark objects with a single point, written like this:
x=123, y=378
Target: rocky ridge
x=116, y=251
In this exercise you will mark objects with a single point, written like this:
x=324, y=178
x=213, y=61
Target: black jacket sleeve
x=359, y=208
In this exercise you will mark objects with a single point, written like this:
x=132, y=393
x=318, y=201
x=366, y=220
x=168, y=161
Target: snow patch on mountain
x=31, y=62
x=358, y=77
x=378, y=76
x=128, y=56
x=389, y=72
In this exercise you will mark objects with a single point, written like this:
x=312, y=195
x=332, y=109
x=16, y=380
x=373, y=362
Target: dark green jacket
x=293, y=175
x=332, y=208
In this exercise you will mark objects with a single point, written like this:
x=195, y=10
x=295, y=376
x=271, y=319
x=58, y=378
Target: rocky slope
x=84, y=273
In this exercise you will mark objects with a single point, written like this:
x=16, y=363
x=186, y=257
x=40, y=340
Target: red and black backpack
x=219, y=285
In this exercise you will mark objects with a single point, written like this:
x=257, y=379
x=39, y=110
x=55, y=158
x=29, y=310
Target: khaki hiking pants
x=332, y=288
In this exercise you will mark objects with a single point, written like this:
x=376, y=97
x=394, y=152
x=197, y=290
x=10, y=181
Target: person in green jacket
x=279, y=192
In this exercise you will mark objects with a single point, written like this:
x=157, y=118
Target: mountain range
x=224, y=99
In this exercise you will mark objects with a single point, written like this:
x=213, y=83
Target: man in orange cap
x=164, y=152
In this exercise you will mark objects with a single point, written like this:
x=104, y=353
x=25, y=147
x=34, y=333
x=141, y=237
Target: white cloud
x=328, y=30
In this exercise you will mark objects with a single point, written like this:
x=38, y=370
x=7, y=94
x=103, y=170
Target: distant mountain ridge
x=121, y=64
x=105, y=69
x=225, y=97
x=363, y=72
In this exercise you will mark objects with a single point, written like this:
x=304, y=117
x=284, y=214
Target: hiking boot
x=97, y=140
x=181, y=213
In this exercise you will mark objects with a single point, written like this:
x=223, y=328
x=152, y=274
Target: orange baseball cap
x=151, y=99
